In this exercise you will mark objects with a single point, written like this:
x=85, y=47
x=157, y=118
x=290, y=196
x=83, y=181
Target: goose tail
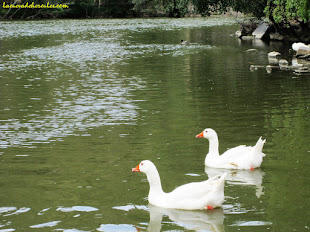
x=221, y=180
x=218, y=180
x=258, y=149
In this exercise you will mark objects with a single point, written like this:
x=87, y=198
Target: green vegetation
x=277, y=10
x=254, y=7
x=171, y=8
x=21, y=9
x=286, y=10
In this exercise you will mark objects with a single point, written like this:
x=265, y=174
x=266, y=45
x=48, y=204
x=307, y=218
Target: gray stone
x=302, y=70
x=303, y=51
x=261, y=31
x=274, y=54
x=283, y=62
x=248, y=37
x=238, y=34
x=276, y=36
x=273, y=60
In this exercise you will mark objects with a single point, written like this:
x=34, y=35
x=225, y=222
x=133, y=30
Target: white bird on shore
x=297, y=46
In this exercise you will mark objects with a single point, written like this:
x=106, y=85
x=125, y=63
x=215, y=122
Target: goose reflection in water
x=211, y=220
x=241, y=177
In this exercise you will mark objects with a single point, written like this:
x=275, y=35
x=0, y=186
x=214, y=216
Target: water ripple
x=93, y=91
x=47, y=224
x=77, y=208
x=102, y=26
x=105, y=103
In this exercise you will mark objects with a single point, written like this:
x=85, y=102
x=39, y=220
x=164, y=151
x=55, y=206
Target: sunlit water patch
x=95, y=93
x=77, y=208
x=87, y=104
x=252, y=223
x=37, y=28
x=130, y=207
x=47, y=224
x=117, y=228
x=198, y=220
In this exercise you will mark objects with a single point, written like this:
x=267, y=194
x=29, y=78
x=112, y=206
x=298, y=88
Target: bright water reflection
x=241, y=177
x=84, y=101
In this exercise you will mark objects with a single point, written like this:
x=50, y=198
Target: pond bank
x=296, y=32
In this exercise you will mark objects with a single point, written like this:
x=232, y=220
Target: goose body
x=207, y=194
x=241, y=157
x=299, y=45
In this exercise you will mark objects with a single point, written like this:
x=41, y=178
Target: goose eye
x=141, y=164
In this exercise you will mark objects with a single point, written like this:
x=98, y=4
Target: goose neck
x=154, y=182
x=214, y=146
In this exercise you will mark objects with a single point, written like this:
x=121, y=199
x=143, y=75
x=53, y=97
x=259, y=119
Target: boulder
x=238, y=34
x=283, y=62
x=303, y=51
x=302, y=70
x=261, y=31
x=273, y=60
x=276, y=36
x=274, y=54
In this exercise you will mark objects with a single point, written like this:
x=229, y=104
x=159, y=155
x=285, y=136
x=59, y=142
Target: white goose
x=207, y=194
x=297, y=46
x=241, y=157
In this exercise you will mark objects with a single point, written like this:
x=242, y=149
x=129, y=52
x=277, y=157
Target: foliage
x=171, y=8
x=28, y=13
x=176, y=8
x=115, y=8
x=207, y=7
x=76, y=9
x=286, y=10
x=277, y=10
x=254, y=7
x=148, y=7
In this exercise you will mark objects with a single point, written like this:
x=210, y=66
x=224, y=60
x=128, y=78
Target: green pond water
x=84, y=101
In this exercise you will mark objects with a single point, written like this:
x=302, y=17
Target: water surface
x=84, y=101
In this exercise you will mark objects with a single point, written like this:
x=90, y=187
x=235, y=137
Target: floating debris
x=256, y=67
x=252, y=50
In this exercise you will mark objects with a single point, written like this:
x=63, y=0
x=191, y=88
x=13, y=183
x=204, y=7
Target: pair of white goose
x=207, y=194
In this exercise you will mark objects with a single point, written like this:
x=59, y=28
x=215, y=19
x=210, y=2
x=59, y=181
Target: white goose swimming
x=241, y=157
x=207, y=194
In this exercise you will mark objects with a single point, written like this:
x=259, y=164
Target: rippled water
x=84, y=101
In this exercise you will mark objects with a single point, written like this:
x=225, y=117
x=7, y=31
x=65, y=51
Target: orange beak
x=136, y=169
x=200, y=135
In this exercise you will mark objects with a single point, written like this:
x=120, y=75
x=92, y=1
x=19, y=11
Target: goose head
x=207, y=134
x=144, y=166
